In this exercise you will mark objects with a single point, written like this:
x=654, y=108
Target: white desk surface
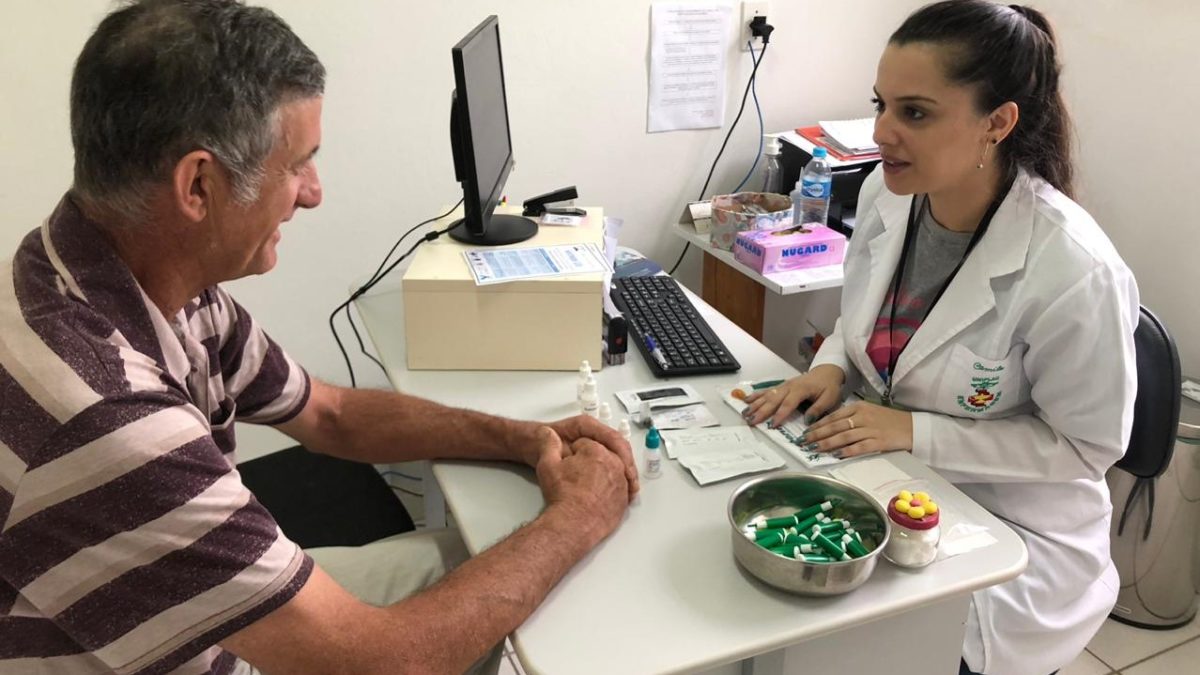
x=783, y=283
x=664, y=594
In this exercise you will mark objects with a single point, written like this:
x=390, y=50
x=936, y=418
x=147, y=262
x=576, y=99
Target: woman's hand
x=821, y=386
x=860, y=428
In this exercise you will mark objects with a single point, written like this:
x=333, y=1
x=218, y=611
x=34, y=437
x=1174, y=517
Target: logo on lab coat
x=983, y=397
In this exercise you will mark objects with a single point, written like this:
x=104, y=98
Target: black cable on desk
x=380, y=273
x=741, y=109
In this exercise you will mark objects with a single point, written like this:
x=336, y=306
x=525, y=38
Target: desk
x=736, y=290
x=664, y=594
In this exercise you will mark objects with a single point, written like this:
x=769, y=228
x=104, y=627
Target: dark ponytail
x=1008, y=53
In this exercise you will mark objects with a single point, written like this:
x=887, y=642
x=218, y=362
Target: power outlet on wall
x=749, y=11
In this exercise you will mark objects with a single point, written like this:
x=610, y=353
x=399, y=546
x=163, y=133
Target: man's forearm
x=379, y=427
x=449, y=626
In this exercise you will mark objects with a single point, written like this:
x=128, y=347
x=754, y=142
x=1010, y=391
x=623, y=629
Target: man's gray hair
x=162, y=78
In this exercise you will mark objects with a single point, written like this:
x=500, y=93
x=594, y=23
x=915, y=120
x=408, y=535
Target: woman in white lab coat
x=1019, y=378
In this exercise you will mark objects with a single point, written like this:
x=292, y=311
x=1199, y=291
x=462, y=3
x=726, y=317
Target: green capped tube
x=814, y=510
x=785, y=551
x=759, y=535
x=831, y=548
x=772, y=540
x=794, y=539
x=833, y=526
x=854, y=546
x=806, y=524
x=813, y=558
x=776, y=523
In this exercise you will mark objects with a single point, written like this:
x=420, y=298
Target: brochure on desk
x=498, y=266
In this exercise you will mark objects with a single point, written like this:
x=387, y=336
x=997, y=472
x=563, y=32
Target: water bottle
x=773, y=173
x=810, y=199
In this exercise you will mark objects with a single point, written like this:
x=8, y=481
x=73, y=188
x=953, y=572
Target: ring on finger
x=851, y=421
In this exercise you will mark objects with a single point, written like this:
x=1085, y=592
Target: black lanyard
x=909, y=233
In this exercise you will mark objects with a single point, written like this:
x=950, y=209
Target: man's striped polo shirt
x=128, y=542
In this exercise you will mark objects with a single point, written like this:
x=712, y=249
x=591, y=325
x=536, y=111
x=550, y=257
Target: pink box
x=790, y=248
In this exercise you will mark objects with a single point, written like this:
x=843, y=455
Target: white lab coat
x=1041, y=319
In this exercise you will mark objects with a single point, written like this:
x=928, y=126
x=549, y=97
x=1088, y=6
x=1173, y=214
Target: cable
x=741, y=109
x=390, y=472
x=762, y=131
x=397, y=488
x=380, y=273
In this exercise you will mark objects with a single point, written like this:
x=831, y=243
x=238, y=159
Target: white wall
x=577, y=81
x=1132, y=76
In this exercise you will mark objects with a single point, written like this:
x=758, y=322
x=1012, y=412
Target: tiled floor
x=1116, y=650
x=1124, y=650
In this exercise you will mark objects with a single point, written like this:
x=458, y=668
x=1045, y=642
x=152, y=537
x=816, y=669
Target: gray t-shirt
x=932, y=257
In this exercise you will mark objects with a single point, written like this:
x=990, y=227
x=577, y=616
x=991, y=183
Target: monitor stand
x=501, y=229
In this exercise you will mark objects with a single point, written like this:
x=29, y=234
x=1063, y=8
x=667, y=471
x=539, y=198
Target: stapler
x=535, y=207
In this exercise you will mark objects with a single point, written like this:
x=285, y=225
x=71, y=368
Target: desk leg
x=435, y=501
x=926, y=640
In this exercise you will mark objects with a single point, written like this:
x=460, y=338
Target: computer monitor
x=480, y=139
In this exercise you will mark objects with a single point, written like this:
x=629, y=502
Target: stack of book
x=846, y=140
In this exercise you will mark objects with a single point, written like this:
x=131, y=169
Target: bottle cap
x=624, y=428
x=820, y=152
x=585, y=369
x=589, y=385
x=653, y=440
x=771, y=144
x=919, y=517
x=605, y=411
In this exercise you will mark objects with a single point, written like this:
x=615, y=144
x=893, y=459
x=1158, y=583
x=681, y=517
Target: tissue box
x=745, y=211
x=790, y=248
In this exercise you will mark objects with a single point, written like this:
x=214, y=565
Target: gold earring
x=986, y=145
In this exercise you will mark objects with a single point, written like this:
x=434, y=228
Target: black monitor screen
x=480, y=138
x=488, y=112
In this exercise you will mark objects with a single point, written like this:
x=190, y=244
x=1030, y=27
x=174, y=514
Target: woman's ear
x=1002, y=121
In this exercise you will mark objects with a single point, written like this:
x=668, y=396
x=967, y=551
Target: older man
x=128, y=542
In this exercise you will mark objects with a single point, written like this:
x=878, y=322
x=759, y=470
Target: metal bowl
x=782, y=494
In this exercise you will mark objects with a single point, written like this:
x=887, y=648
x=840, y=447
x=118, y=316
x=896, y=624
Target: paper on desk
x=700, y=441
x=806, y=275
x=793, y=426
x=883, y=480
x=559, y=219
x=687, y=65
x=612, y=229
x=713, y=455
x=659, y=396
x=687, y=417
x=496, y=266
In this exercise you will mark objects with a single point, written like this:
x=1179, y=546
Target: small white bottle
x=625, y=429
x=605, y=413
x=653, y=454
x=585, y=371
x=589, y=400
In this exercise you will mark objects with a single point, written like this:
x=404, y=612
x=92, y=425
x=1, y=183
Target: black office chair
x=319, y=500
x=1155, y=413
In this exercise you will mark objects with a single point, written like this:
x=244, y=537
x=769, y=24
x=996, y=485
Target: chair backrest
x=1156, y=408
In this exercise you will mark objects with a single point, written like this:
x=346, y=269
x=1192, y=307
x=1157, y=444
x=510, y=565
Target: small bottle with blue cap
x=653, y=454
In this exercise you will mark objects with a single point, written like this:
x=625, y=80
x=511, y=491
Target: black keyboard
x=656, y=306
